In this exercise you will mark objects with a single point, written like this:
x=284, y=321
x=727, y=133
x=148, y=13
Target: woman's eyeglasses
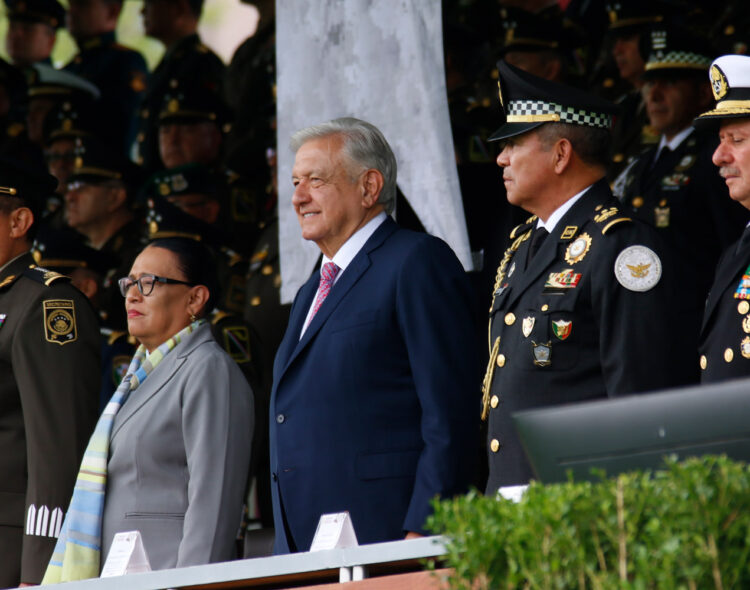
x=146, y=284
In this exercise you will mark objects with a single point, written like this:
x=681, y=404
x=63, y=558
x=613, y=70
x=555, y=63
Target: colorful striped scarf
x=77, y=554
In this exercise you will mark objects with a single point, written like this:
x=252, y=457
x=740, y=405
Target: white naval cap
x=730, y=82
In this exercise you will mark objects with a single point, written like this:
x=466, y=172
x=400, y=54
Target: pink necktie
x=327, y=277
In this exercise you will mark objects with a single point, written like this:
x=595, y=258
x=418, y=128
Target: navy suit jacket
x=375, y=409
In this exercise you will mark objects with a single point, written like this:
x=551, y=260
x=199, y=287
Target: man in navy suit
x=375, y=394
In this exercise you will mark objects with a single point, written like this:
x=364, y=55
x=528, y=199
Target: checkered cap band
x=678, y=59
x=528, y=110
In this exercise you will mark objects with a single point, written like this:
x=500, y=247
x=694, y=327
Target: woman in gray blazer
x=180, y=445
x=177, y=433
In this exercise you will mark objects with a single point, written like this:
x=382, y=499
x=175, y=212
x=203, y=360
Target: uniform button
x=617, y=158
x=267, y=270
x=638, y=202
x=743, y=307
x=280, y=418
x=728, y=355
x=494, y=400
x=510, y=319
x=663, y=203
x=255, y=301
x=500, y=360
x=494, y=445
x=545, y=307
x=704, y=362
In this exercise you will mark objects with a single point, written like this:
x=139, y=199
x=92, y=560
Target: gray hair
x=364, y=146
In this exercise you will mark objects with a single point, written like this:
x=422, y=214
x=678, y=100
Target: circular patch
x=638, y=268
x=60, y=323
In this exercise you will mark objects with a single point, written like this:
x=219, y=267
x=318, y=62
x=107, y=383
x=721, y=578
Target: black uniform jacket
x=567, y=330
x=49, y=389
x=725, y=336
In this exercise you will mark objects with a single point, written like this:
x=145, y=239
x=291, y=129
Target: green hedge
x=685, y=527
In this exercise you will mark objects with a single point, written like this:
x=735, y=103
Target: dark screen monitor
x=637, y=432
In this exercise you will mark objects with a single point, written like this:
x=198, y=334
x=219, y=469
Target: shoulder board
x=114, y=336
x=44, y=276
x=608, y=217
x=522, y=227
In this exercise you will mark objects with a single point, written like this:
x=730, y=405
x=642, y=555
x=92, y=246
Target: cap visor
x=513, y=129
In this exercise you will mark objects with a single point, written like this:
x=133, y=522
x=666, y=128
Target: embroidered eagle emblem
x=638, y=271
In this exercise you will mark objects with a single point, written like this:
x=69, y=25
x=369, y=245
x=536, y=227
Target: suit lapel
x=349, y=278
x=161, y=376
x=297, y=319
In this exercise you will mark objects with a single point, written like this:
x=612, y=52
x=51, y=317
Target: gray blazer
x=179, y=457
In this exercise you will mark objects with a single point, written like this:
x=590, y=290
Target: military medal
x=745, y=324
x=743, y=307
x=527, y=326
x=661, y=216
x=578, y=249
x=638, y=268
x=562, y=328
x=743, y=289
x=745, y=347
x=559, y=282
x=2, y=319
x=542, y=353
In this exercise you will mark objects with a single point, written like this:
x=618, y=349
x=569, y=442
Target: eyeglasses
x=146, y=284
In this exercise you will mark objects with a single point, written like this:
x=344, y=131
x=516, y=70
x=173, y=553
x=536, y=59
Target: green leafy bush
x=687, y=527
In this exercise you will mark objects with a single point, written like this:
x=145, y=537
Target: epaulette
x=609, y=217
x=113, y=336
x=522, y=227
x=44, y=276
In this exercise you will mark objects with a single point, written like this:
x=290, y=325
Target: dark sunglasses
x=146, y=284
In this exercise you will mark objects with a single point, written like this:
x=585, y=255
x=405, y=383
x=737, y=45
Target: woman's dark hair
x=197, y=264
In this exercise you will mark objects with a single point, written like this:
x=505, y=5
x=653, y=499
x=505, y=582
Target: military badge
x=512, y=269
x=562, y=328
x=605, y=214
x=578, y=249
x=2, y=319
x=685, y=163
x=237, y=343
x=164, y=189
x=742, y=291
x=527, y=325
x=542, y=353
x=179, y=183
x=745, y=324
x=674, y=181
x=60, y=321
x=661, y=216
x=568, y=232
x=638, y=268
x=719, y=84
x=559, y=282
x=120, y=364
x=745, y=347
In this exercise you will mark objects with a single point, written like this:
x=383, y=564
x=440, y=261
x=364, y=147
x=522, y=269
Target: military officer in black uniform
x=119, y=72
x=49, y=380
x=582, y=307
x=32, y=30
x=725, y=335
x=673, y=185
x=187, y=59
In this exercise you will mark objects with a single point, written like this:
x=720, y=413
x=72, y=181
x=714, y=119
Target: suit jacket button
x=280, y=418
x=494, y=445
x=274, y=477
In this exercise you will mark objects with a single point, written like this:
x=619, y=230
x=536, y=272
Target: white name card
x=335, y=531
x=127, y=555
x=513, y=493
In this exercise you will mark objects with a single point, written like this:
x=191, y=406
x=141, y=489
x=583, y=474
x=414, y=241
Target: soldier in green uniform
x=187, y=59
x=673, y=185
x=100, y=205
x=119, y=72
x=49, y=380
x=583, y=306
